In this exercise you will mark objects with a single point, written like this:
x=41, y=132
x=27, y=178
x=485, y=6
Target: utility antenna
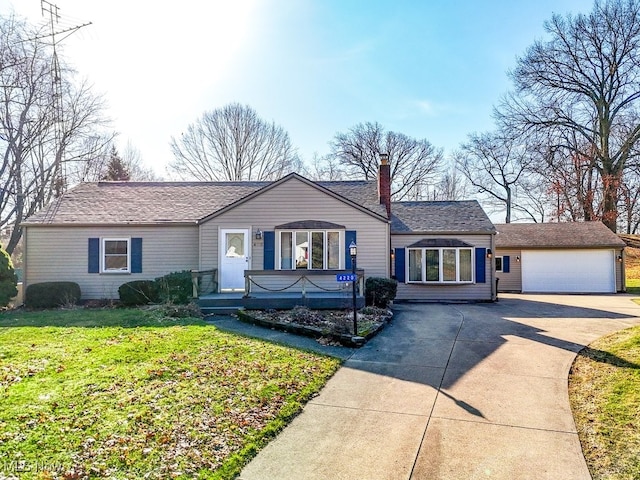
x=59, y=174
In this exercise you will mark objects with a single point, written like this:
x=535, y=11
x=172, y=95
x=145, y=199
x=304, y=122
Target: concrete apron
x=452, y=392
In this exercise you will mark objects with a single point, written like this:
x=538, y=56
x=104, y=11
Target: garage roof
x=556, y=235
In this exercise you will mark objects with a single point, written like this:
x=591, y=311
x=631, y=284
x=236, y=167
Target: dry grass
x=632, y=269
x=604, y=390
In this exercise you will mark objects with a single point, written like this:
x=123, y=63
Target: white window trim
x=103, y=256
x=341, y=247
x=440, y=263
x=501, y=264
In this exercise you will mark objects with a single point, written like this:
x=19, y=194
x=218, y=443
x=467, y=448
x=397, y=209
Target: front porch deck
x=283, y=290
x=224, y=303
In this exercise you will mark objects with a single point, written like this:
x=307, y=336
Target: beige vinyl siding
x=61, y=254
x=293, y=201
x=620, y=280
x=512, y=281
x=431, y=292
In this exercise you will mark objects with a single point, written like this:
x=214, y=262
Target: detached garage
x=576, y=257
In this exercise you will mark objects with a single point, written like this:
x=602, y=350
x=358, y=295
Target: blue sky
x=431, y=69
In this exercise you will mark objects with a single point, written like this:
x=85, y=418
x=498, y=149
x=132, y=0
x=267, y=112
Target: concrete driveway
x=462, y=391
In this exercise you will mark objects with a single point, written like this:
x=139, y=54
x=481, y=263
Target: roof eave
x=190, y=223
x=445, y=232
x=568, y=247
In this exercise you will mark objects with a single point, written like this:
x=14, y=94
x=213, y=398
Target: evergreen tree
x=8, y=279
x=117, y=170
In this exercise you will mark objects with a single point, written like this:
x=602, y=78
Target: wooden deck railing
x=198, y=280
x=306, y=279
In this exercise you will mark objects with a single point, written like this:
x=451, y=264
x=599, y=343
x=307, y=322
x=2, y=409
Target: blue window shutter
x=94, y=255
x=136, y=255
x=349, y=236
x=505, y=264
x=480, y=265
x=269, y=250
x=400, y=264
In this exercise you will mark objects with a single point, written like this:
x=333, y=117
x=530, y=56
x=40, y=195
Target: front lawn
x=604, y=389
x=125, y=393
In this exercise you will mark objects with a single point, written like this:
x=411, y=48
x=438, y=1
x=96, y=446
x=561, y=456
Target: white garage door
x=564, y=271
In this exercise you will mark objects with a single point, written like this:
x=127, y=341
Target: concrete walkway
x=474, y=391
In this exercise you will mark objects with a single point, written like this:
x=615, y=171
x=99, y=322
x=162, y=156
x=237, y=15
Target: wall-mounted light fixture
x=259, y=234
x=393, y=253
x=489, y=253
x=517, y=258
x=619, y=258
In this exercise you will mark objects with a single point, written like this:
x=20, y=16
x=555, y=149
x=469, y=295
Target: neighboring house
x=572, y=257
x=262, y=234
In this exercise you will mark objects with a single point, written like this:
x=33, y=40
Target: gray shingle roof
x=556, y=235
x=439, y=217
x=171, y=202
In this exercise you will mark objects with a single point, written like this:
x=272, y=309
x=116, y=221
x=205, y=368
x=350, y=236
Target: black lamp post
x=353, y=251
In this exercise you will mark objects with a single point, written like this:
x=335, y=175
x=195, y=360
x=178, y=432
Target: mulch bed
x=327, y=326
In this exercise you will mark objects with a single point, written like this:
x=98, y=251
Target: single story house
x=292, y=234
x=571, y=257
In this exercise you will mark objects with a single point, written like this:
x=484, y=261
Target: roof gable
x=556, y=235
x=357, y=188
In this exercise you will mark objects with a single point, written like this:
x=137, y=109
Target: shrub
x=139, y=292
x=8, y=279
x=380, y=291
x=52, y=294
x=175, y=287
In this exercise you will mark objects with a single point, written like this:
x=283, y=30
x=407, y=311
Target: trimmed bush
x=52, y=294
x=380, y=291
x=175, y=287
x=8, y=279
x=139, y=292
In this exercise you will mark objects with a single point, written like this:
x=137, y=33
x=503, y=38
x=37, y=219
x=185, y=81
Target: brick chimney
x=384, y=182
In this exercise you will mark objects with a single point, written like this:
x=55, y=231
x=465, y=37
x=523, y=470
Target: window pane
x=115, y=262
x=286, y=256
x=415, y=265
x=115, y=247
x=317, y=250
x=234, y=245
x=433, y=265
x=302, y=250
x=115, y=255
x=465, y=265
x=498, y=264
x=333, y=250
x=448, y=265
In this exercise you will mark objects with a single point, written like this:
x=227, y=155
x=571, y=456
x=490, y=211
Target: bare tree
x=630, y=200
x=106, y=155
x=233, y=143
x=326, y=168
x=451, y=186
x=414, y=163
x=584, y=82
x=45, y=124
x=138, y=171
x=495, y=163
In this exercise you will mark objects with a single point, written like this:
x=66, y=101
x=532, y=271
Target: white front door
x=234, y=258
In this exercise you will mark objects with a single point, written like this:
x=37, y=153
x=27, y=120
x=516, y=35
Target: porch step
x=224, y=310
x=229, y=303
